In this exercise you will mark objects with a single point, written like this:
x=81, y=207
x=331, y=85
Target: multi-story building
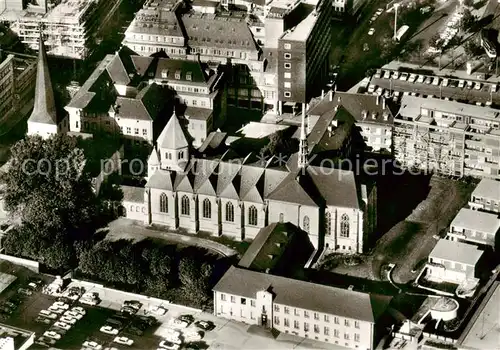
x=134, y=96
x=17, y=81
x=12, y=338
x=448, y=137
x=318, y=312
x=475, y=227
x=486, y=196
x=70, y=27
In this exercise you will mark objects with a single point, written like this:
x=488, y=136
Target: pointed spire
x=44, y=108
x=303, y=151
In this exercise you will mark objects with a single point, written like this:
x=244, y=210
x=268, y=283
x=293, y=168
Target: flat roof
x=305, y=295
x=456, y=251
x=477, y=220
x=411, y=106
x=303, y=29
x=19, y=335
x=488, y=188
x=259, y=130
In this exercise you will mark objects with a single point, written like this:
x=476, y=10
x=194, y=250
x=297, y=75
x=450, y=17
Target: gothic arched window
x=328, y=223
x=163, y=203
x=185, y=210
x=207, y=208
x=229, y=212
x=344, y=225
x=282, y=217
x=305, y=224
x=252, y=216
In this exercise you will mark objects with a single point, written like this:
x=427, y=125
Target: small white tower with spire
x=303, y=151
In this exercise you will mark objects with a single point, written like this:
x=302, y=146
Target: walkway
x=128, y=229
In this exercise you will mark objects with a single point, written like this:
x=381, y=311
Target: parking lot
x=463, y=90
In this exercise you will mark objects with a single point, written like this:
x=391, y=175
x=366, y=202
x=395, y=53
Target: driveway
x=128, y=229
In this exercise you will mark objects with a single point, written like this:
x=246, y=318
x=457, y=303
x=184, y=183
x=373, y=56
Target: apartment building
x=453, y=262
x=17, y=82
x=475, y=227
x=323, y=313
x=134, y=96
x=486, y=196
x=70, y=27
x=448, y=137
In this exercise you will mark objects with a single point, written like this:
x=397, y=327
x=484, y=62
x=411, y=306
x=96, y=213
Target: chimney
x=383, y=102
x=331, y=96
x=322, y=93
x=335, y=123
x=378, y=100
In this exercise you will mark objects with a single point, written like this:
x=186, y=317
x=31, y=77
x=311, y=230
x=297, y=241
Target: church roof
x=293, y=190
x=172, y=137
x=44, y=108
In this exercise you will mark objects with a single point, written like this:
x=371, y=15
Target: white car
x=73, y=314
x=79, y=310
x=158, y=310
x=477, y=86
x=191, y=336
x=493, y=88
x=414, y=94
x=176, y=323
x=56, y=309
x=91, y=302
x=470, y=84
x=371, y=31
x=435, y=82
x=412, y=78
x=387, y=74
x=380, y=91
x=406, y=93
x=172, y=336
x=379, y=11
x=52, y=335
x=62, y=325
x=479, y=104
x=421, y=79
x=445, y=82
x=92, y=345
x=61, y=305
x=165, y=344
x=395, y=75
x=109, y=330
x=123, y=341
x=68, y=319
x=371, y=88
x=378, y=74
x=461, y=83
x=48, y=314
x=403, y=77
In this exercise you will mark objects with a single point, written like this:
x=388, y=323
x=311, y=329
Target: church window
x=185, y=205
x=328, y=223
x=207, y=208
x=252, y=216
x=305, y=224
x=282, y=217
x=344, y=226
x=229, y=212
x=163, y=203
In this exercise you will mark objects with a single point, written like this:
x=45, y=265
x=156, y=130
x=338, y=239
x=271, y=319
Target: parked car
x=380, y=91
x=371, y=31
x=45, y=341
x=123, y=341
x=92, y=345
x=404, y=76
x=421, y=79
x=444, y=83
x=133, y=304
x=186, y=318
x=68, y=319
x=425, y=9
x=470, y=84
x=149, y=320
x=493, y=88
x=48, y=314
x=165, y=344
x=24, y=291
x=395, y=75
x=387, y=74
x=52, y=335
x=128, y=310
x=56, y=309
x=371, y=88
x=428, y=80
x=395, y=98
x=62, y=325
x=191, y=336
x=366, y=47
x=412, y=78
x=461, y=83
x=436, y=81
x=205, y=325
x=91, y=302
x=43, y=320
x=61, y=305
x=378, y=73
x=478, y=86
x=73, y=314
x=172, y=335
x=109, y=330
x=158, y=310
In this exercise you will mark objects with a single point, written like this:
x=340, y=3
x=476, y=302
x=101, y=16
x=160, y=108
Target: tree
x=195, y=279
x=435, y=41
x=473, y=49
x=468, y=3
x=468, y=20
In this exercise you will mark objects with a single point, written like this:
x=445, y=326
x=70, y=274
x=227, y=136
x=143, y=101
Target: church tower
x=43, y=119
x=303, y=151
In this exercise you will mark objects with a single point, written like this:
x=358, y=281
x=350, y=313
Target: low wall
x=134, y=295
x=29, y=264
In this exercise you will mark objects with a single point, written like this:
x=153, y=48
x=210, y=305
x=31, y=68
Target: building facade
x=475, y=227
x=486, y=196
x=278, y=303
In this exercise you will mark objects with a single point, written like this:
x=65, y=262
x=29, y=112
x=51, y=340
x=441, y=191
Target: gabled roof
x=162, y=180
x=172, y=136
x=117, y=72
x=250, y=176
x=228, y=172
x=337, y=187
x=295, y=188
x=305, y=295
x=185, y=182
x=205, y=182
x=133, y=194
x=180, y=70
x=44, y=107
x=272, y=179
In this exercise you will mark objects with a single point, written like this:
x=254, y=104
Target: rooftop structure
x=456, y=251
x=477, y=221
x=486, y=196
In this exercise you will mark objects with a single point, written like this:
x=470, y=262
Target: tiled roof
x=117, y=72
x=296, y=188
x=162, y=180
x=181, y=70
x=219, y=32
x=133, y=194
x=304, y=295
x=145, y=106
x=156, y=22
x=337, y=187
x=172, y=136
x=197, y=113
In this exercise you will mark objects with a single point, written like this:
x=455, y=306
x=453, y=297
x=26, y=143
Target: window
x=336, y=320
x=144, y=132
x=233, y=299
x=344, y=226
x=243, y=301
x=328, y=223
x=223, y=297
x=207, y=208
x=306, y=327
x=286, y=322
x=287, y=46
x=287, y=56
x=316, y=328
x=288, y=94
x=336, y=333
x=288, y=75
x=252, y=303
x=296, y=324
x=296, y=312
x=287, y=85
x=229, y=212
x=185, y=205
x=252, y=216
x=282, y=217
x=129, y=130
x=305, y=224
x=356, y=324
x=316, y=316
x=163, y=203
x=346, y=336
x=326, y=331
x=287, y=65
x=356, y=337
x=306, y=314
x=327, y=318
x=287, y=310
x=76, y=124
x=276, y=308
x=346, y=323
x=276, y=320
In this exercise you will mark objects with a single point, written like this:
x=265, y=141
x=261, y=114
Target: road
x=460, y=94
x=126, y=229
